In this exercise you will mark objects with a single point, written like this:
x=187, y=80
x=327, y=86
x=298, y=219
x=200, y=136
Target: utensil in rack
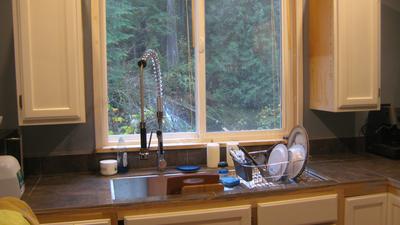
x=262, y=170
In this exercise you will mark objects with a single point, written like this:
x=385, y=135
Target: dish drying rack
x=264, y=174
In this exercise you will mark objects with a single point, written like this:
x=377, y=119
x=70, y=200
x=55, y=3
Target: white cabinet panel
x=84, y=222
x=311, y=210
x=49, y=61
x=237, y=215
x=344, y=40
x=393, y=210
x=366, y=210
x=359, y=53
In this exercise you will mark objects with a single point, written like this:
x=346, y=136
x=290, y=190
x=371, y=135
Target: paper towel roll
x=231, y=146
x=212, y=155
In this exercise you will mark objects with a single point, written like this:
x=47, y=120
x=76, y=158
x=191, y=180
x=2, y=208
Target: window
x=243, y=66
x=230, y=68
x=132, y=27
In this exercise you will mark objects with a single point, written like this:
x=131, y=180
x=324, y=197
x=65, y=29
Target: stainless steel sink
x=139, y=187
x=142, y=187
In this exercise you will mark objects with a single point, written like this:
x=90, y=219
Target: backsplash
x=90, y=162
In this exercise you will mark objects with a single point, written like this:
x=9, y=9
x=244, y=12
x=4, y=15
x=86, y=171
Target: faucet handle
x=143, y=154
x=151, y=135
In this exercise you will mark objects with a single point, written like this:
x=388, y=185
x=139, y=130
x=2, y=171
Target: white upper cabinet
x=344, y=41
x=49, y=61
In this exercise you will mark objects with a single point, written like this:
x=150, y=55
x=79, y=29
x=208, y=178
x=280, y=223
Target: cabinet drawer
x=84, y=222
x=312, y=210
x=237, y=215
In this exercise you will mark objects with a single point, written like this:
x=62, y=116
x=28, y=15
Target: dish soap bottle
x=122, y=156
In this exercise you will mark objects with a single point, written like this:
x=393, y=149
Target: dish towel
x=16, y=212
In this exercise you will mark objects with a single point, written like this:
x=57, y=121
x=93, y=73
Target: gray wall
x=8, y=102
x=390, y=72
x=79, y=139
x=390, y=55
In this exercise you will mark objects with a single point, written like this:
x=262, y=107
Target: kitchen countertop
x=77, y=191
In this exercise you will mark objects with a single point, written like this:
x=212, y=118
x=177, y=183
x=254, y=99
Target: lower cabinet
x=236, y=215
x=366, y=210
x=84, y=222
x=393, y=209
x=302, y=211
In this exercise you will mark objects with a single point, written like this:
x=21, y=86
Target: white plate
x=298, y=136
x=297, y=159
x=277, y=161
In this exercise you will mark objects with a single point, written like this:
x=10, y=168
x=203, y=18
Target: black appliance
x=383, y=132
x=11, y=144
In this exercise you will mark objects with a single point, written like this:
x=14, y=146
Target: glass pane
x=132, y=27
x=243, y=68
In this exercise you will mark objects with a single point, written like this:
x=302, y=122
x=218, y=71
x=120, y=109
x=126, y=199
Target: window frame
x=291, y=83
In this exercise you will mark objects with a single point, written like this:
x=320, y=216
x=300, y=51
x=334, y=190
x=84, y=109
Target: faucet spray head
x=142, y=63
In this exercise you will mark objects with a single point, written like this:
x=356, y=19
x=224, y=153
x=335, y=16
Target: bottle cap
x=222, y=164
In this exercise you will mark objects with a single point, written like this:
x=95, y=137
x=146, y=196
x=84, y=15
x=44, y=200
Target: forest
x=243, y=64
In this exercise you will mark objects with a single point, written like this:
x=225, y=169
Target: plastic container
x=213, y=155
x=108, y=167
x=231, y=146
x=11, y=177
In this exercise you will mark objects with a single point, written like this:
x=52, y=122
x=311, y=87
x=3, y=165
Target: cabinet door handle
x=20, y=101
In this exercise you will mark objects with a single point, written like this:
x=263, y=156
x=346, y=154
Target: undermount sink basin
x=141, y=187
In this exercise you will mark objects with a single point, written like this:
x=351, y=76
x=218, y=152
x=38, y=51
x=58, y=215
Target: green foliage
x=243, y=64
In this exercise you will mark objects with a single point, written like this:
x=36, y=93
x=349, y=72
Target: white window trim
x=292, y=82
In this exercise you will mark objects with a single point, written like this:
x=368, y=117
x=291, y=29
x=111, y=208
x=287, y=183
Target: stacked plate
x=289, y=160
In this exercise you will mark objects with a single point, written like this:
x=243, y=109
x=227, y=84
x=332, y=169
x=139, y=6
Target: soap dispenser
x=122, y=156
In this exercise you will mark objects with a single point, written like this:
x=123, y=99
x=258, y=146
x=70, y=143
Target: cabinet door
x=366, y=210
x=393, y=210
x=85, y=222
x=358, y=54
x=237, y=215
x=49, y=61
x=312, y=210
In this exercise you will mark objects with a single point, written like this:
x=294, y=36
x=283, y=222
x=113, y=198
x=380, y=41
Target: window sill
x=186, y=146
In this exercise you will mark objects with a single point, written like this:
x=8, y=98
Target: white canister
x=108, y=167
x=231, y=146
x=213, y=155
x=11, y=177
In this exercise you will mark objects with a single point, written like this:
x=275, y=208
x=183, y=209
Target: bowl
x=297, y=159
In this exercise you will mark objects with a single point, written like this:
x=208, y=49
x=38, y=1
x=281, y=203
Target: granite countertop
x=76, y=191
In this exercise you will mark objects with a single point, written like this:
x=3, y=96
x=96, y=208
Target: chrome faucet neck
x=144, y=150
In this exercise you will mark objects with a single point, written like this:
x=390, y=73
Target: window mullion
x=200, y=67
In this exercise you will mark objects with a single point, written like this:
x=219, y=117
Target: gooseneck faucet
x=144, y=149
